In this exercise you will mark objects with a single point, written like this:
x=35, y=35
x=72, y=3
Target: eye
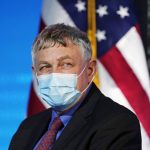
x=67, y=65
x=41, y=68
x=44, y=68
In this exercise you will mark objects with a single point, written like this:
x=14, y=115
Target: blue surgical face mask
x=59, y=90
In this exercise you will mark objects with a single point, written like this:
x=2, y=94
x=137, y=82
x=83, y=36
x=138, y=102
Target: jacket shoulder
x=33, y=119
x=107, y=109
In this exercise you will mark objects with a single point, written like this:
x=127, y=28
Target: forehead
x=72, y=51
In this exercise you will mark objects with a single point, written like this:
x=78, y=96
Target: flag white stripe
x=109, y=87
x=145, y=139
x=53, y=12
x=131, y=48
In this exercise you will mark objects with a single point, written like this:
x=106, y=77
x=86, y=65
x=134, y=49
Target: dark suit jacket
x=99, y=124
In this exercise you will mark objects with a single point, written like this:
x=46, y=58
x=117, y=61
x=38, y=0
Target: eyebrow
x=59, y=59
x=43, y=62
x=64, y=57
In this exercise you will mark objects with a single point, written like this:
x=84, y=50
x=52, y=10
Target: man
x=86, y=119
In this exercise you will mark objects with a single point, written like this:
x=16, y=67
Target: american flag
x=122, y=67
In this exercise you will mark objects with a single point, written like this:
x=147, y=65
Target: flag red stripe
x=130, y=86
x=138, y=29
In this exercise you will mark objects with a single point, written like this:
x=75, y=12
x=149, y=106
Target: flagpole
x=92, y=33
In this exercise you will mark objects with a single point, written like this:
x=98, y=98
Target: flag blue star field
x=114, y=19
x=121, y=61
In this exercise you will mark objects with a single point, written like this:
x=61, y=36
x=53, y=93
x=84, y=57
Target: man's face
x=59, y=59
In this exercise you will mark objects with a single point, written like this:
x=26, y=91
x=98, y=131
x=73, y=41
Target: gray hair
x=62, y=34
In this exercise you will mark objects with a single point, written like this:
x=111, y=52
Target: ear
x=33, y=69
x=91, y=70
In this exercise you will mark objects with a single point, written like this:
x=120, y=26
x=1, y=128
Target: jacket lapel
x=79, y=119
x=39, y=130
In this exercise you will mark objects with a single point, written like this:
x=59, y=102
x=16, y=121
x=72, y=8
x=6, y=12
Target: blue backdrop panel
x=18, y=28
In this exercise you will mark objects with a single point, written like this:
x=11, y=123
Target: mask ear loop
x=36, y=78
x=81, y=71
x=88, y=85
x=90, y=81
